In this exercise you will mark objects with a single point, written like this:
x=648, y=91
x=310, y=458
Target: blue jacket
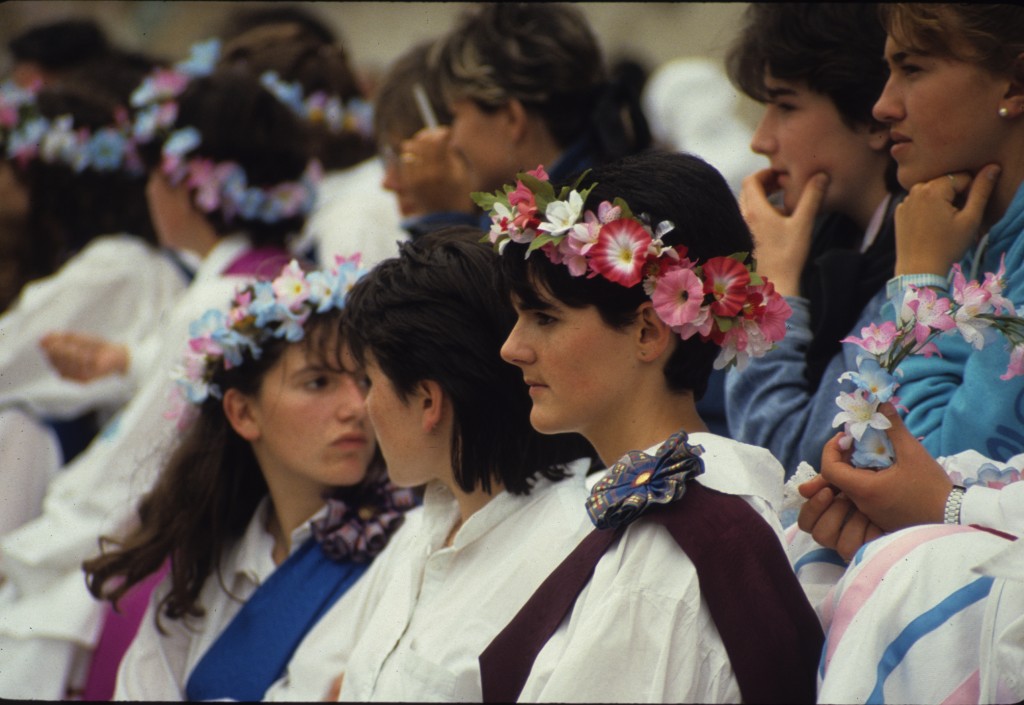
x=957, y=402
x=771, y=403
x=786, y=400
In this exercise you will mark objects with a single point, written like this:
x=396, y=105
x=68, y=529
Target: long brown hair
x=206, y=495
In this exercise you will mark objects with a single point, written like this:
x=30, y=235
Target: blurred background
x=649, y=34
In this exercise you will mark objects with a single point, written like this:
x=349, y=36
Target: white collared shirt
x=157, y=666
x=415, y=624
x=640, y=630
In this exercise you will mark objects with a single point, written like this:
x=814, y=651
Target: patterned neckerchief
x=639, y=480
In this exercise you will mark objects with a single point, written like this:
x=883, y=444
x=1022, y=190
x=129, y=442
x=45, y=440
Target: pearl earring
x=1004, y=112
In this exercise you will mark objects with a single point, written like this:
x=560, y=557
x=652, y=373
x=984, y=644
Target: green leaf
x=484, y=199
x=542, y=240
x=626, y=212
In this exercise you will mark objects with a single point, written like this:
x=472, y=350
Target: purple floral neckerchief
x=359, y=530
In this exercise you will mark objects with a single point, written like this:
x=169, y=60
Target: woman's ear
x=429, y=396
x=653, y=334
x=517, y=118
x=1013, y=99
x=238, y=408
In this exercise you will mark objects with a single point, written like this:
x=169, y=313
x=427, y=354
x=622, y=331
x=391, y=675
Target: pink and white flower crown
x=260, y=312
x=219, y=186
x=723, y=300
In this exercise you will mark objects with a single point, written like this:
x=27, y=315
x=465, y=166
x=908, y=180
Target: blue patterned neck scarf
x=639, y=480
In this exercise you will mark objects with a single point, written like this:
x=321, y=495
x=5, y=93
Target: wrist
x=898, y=284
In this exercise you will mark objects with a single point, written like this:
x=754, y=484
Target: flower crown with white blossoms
x=219, y=186
x=723, y=300
x=29, y=135
x=260, y=312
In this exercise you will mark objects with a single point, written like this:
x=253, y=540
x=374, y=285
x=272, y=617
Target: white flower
x=562, y=215
x=860, y=412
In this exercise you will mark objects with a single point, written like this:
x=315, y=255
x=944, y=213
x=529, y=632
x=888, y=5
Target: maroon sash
x=771, y=633
x=264, y=262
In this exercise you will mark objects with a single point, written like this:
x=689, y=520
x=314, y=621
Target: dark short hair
x=241, y=21
x=60, y=45
x=677, y=187
x=297, y=55
x=440, y=311
x=837, y=48
x=395, y=108
x=241, y=121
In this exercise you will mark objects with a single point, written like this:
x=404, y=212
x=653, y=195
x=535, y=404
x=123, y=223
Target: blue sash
x=256, y=647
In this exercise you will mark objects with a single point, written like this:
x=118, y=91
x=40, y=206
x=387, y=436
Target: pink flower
x=291, y=287
x=994, y=286
x=539, y=173
x=1016, y=366
x=619, y=254
x=772, y=316
x=525, y=207
x=726, y=280
x=678, y=297
x=877, y=339
x=606, y=212
x=930, y=312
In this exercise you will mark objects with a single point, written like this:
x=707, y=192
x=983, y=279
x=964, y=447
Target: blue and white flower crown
x=260, y=312
x=27, y=135
x=219, y=186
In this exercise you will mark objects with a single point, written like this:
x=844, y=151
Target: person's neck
x=646, y=425
x=469, y=503
x=291, y=507
x=868, y=202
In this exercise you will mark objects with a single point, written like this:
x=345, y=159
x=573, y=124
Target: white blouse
x=119, y=288
x=44, y=594
x=638, y=632
x=414, y=625
x=157, y=666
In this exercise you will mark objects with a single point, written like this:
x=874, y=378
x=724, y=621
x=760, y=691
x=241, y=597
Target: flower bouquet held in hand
x=974, y=312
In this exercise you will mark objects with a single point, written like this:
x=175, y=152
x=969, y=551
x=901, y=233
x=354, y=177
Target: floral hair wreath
x=27, y=135
x=722, y=300
x=260, y=312
x=219, y=186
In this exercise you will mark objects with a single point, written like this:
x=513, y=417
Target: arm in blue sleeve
x=771, y=404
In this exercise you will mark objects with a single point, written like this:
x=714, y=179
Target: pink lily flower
x=877, y=340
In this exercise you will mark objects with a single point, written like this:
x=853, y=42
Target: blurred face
x=576, y=366
x=168, y=208
x=802, y=134
x=313, y=426
x=13, y=195
x=399, y=429
x=481, y=139
x=942, y=114
x=389, y=153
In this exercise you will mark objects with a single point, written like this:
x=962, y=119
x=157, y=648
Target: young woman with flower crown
x=86, y=241
x=500, y=508
x=270, y=506
x=315, y=78
x=230, y=178
x=630, y=286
